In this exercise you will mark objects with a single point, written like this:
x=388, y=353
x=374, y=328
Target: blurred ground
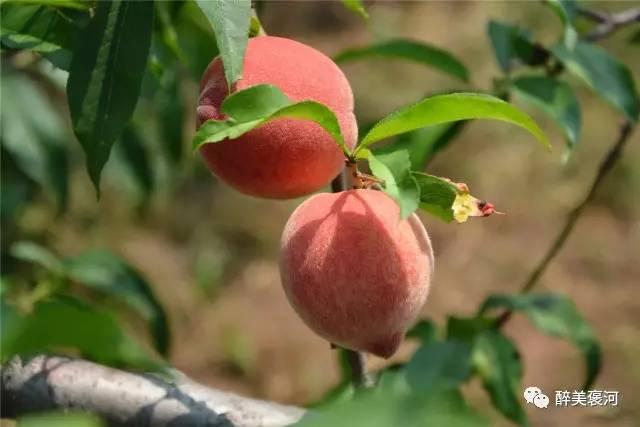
x=242, y=335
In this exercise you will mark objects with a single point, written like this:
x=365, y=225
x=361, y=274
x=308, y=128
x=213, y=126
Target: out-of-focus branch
x=608, y=162
x=608, y=22
x=127, y=399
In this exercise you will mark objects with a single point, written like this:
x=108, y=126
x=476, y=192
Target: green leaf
x=103, y=271
x=37, y=254
x=603, y=73
x=498, y=364
x=259, y=104
x=635, y=38
x=67, y=323
x=196, y=40
x=554, y=97
x=385, y=409
x=511, y=44
x=555, y=315
x=69, y=4
x=438, y=366
x=39, y=29
x=230, y=21
x=357, y=7
x=395, y=169
x=136, y=160
x=566, y=11
x=467, y=329
x=424, y=143
x=171, y=114
x=424, y=330
x=106, y=76
x=412, y=51
x=34, y=134
x=437, y=195
x=450, y=108
x=60, y=419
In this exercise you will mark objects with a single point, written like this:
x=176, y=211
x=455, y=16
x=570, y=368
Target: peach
x=284, y=158
x=355, y=272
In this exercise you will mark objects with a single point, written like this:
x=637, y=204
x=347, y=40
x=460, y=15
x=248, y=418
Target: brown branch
x=608, y=23
x=608, y=162
x=126, y=399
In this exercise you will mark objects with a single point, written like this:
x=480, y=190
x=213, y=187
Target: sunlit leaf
x=394, y=168
x=108, y=64
x=557, y=316
x=230, y=21
x=608, y=77
x=252, y=107
x=356, y=6
x=60, y=419
x=410, y=50
x=450, y=108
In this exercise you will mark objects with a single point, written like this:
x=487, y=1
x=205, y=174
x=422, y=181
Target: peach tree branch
x=122, y=398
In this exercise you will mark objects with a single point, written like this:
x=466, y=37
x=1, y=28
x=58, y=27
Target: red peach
x=284, y=158
x=354, y=271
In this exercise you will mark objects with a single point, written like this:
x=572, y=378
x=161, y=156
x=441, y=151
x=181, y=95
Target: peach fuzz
x=285, y=158
x=355, y=272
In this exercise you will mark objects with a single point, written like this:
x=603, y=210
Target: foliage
x=123, y=65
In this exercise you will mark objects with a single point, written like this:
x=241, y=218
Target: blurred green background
x=210, y=253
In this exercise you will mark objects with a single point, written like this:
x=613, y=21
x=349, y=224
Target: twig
x=127, y=399
x=606, y=165
x=608, y=23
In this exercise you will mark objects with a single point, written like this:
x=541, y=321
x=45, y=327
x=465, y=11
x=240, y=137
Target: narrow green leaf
x=106, y=76
x=69, y=4
x=103, y=271
x=512, y=44
x=39, y=29
x=554, y=97
x=37, y=254
x=356, y=6
x=136, y=160
x=436, y=195
x=608, y=77
x=412, y=51
x=438, y=366
x=252, y=107
x=60, y=419
x=394, y=168
x=497, y=362
x=230, y=21
x=555, y=315
x=67, y=323
x=35, y=135
x=450, y=108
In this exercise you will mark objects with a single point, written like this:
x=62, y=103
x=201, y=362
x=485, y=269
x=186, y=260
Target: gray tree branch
x=127, y=399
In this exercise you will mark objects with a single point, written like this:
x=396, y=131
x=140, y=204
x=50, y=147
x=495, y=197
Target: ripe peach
x=284, y=158
x=354, y=272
